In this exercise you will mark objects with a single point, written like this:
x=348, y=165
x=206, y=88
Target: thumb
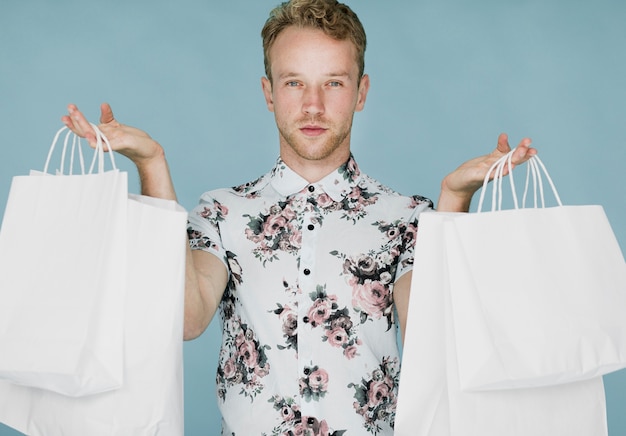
x=106, y=114
x=503, y=143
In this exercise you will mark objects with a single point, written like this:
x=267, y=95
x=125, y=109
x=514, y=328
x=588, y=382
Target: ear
x=364, y=86
x=266, y=85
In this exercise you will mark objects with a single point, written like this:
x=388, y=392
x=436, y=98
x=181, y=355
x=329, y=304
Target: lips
x=312, y=130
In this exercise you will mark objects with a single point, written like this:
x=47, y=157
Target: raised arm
x=457, y=190
x=147, y=154
x=458, y=187
x=206, y=275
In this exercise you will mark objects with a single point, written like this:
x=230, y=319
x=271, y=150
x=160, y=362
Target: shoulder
x=248, y=190
x=388, y=194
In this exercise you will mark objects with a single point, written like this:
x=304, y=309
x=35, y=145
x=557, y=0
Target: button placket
x=307, y=334
x=309, y=238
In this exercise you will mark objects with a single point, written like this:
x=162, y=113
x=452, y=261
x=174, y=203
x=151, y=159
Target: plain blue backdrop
x=447, y=77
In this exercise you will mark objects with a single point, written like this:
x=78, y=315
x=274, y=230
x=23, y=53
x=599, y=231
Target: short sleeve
x=418, y=205
x=203, y=227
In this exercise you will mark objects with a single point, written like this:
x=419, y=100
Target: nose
x=313, y=101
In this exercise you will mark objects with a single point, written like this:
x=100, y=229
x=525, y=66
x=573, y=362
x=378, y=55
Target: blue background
x=447, y=77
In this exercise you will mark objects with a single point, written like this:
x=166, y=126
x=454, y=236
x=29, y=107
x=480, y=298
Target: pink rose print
x=248, y=354
x=324, y=201
x=371, y=274
x=318, y=380
x=230, y=368
x=321, y=310
x=338, y=328
x=373, y=298
x=273, y=232
x=293, y=423
x=214, y=213
x=376, y=395
x=242, y=361
x=289, y=322
x=314, y=384
x=274, y=225
x=350, y=352
x=337, y=337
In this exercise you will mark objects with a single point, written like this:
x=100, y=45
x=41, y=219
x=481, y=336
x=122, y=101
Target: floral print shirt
x=309, y=333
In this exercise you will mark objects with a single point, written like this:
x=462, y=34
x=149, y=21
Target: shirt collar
x=337, y=184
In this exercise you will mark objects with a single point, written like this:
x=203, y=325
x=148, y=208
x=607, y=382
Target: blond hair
x=335, y=19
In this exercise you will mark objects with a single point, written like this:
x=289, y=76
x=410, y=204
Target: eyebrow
x=293, y=74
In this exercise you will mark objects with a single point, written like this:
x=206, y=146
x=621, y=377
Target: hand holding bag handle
x=533, y=172
x=98, y=155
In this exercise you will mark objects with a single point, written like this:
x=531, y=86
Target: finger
x=79, y=124
x=525, y=143
x=523, y=152
x=67, y=120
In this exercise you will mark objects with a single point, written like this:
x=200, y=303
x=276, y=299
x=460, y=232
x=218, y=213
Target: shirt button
x=311, y=188
x=310, y=421
x=310, y=227
x=305, y=319
x=307, y=271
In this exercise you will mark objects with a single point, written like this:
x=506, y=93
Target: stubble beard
x=303, y=148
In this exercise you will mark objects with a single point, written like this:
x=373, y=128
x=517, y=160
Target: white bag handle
x=533, y=172
x=98, y=155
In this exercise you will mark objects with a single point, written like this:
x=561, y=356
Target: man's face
x=314, y=93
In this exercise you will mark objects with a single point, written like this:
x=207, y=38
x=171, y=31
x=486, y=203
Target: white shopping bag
x=431, y=401
x=62, y=269
x=150, y=403
x=423, y=404
x=538, y=294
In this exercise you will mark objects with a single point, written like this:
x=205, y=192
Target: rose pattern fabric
x=274, y=231
x=293, y=423
x=308, y=309
x=337, y=324
x=376, y=395
x=314, y=383
x=371, y=274
x=243, y=361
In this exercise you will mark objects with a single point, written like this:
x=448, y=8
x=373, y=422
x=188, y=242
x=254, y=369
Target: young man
x=309, y=263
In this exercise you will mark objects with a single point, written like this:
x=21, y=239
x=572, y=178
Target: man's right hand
x=133, y=143
x=147, y=154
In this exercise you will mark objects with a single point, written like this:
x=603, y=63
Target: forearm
x=453, y=202
x=155, y=177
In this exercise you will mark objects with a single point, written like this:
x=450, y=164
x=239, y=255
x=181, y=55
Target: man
x=309, y=263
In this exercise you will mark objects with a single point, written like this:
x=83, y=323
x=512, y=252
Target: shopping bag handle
x=98, y=155
x=535, y=172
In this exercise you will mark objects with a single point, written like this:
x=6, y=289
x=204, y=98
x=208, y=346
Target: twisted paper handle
x=98, y=155
x=536, y=171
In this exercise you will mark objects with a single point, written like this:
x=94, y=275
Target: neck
x=314, y=170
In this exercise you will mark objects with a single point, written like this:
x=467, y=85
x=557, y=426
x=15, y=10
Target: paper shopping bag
x=150, y=403
x=431, y=401
x=537, y=295
x=62, y=268
x=422, y=408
